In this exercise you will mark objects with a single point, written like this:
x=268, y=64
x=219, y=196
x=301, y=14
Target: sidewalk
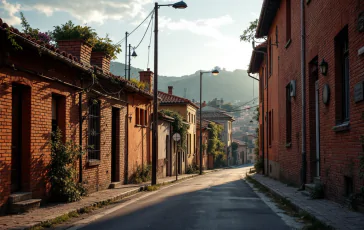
x=51, y=212
x=326, y=211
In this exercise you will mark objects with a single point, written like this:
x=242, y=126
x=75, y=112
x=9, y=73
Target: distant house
x=219, y=116
x=187, y=109
x=242, y=152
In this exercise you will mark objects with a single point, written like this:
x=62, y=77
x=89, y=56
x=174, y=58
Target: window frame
x=94, y=130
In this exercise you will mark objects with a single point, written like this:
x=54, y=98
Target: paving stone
x=327, y=211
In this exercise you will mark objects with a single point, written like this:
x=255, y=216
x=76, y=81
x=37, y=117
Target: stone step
x=306, y=193
x=25, y=206
x=115, y=185
x=310, y=187
x=19, y=196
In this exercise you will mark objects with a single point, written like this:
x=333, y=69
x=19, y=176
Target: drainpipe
x=126, y=137
x=80, y=132
x=303, y=79
x=263, y=115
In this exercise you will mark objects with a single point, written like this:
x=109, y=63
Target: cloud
x=87, y=11
x=10, y=10
x=207, y=27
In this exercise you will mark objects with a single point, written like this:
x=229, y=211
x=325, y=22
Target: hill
x=231, y=86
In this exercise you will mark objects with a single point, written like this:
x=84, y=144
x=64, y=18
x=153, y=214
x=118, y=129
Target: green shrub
x=219, y=160
x=258, y=165
x=105, y=45
x=193, y=169
x=142, y=174
x=69, y=31
x=62, y=170
x=139, y=84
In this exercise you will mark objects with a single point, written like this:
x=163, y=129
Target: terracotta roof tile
x=172, y=99
x=69, y=57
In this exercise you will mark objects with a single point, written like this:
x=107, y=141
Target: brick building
x=43, y=87
x=329, y=57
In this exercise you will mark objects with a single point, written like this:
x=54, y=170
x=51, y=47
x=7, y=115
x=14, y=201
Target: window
x=270, y=58
x=288, y=115
x=137, y=116
x=145, y=118
x=142, y=117
x=270, y=128
x=288, y=20
x=59, y=114
x=194, y=143
x=342, y=78
x=94, y=130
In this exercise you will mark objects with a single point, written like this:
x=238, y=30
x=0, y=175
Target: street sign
x=176, y=137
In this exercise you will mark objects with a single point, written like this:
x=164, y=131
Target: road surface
x=219, y=200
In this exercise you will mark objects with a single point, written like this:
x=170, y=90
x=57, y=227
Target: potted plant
x=103, y=51
x=77, y=40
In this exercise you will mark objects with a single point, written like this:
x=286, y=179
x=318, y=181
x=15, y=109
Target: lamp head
x=134, y=55
x=180, y=5
x=215, y=72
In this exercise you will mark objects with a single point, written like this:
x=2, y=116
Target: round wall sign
x=176, y=137
x=326, y=94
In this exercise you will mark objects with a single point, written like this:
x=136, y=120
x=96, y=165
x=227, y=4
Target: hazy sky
x=204, y=35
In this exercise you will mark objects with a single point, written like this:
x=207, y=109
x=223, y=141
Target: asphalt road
x=220, y=200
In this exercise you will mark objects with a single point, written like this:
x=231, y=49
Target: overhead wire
x=150, y=41
x=121, y=41
x=150, y=22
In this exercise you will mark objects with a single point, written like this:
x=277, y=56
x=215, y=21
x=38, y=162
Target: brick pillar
x=101, y=60
x=170, y=90
x=147, y=77
x=77, y=48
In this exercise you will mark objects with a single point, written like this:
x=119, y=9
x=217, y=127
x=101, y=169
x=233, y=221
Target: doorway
x=314, y=118
x=115, y=145
x=20, y=154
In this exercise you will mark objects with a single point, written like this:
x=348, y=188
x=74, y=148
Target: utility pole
x=155, y=101
x=126, y=53
x=129, y=62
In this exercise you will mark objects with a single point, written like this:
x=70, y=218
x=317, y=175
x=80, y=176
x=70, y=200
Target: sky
x=200, y=37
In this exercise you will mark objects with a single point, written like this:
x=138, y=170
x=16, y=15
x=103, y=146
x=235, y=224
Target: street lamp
x=177, y=5
x=215, y=73
x=133, y=55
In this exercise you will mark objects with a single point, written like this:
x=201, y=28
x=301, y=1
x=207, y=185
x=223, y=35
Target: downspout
x=303, y=79
x=126, y=155
x=263, y=115
x=80, y=131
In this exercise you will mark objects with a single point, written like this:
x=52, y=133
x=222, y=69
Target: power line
x=119, y=42
x=151, y=19
x=232, y=111
x=150, y=41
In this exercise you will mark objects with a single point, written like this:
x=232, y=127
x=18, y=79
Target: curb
x=106, y=201
x=292, y=203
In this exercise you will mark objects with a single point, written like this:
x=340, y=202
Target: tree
x=249, y=33
x=235, y=147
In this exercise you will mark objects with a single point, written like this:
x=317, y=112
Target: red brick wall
x=339, y=150
x=101, y=60
x=41, y=90
x=78, y=49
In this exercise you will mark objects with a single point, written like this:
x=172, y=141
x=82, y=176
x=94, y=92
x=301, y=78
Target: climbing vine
x=179, y=126
x=215, y=145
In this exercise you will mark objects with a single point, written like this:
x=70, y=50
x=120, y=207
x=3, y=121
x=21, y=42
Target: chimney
x=147, y=77
x=101, y=60
x=170, y=90
x=77, y=48
x=203, y=104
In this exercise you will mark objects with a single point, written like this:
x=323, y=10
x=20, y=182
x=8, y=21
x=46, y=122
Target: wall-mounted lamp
x=324, y=67
x=130, y=117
